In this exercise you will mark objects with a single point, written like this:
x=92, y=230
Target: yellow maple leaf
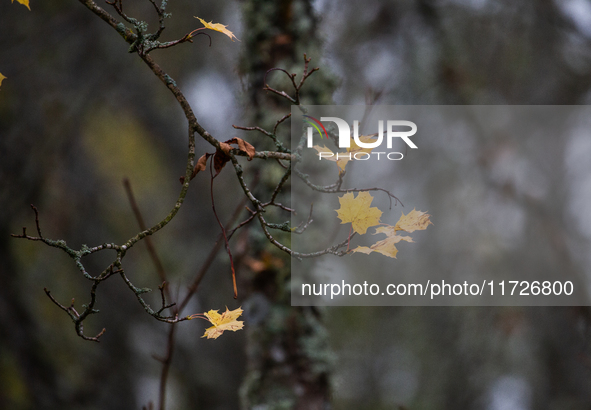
x=386, y=246
x=23, y=2
x=413, y=221
x=218, y=27
x=2, y=78
x=358, y=211
x=223, y=322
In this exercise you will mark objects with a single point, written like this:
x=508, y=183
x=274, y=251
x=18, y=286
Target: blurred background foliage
x=78, y=114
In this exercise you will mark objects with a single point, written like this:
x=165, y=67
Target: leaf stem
x=349, y=238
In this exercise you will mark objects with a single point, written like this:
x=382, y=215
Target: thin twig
x=76, y=318
x=149, y=244
x=304, y=225
x=211, y=256
x=223, y=232
x=286, y=116
x=166, y=362
x=335, y=188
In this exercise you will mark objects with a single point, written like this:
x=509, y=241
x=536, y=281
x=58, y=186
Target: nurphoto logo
x=363, y=145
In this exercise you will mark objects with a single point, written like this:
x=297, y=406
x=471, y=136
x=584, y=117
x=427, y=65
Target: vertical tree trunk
x=288, y=353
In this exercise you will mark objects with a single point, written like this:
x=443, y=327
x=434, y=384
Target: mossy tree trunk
x=288, y=354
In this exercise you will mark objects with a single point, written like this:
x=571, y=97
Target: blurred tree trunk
x=287, y=349
x=27, y=377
